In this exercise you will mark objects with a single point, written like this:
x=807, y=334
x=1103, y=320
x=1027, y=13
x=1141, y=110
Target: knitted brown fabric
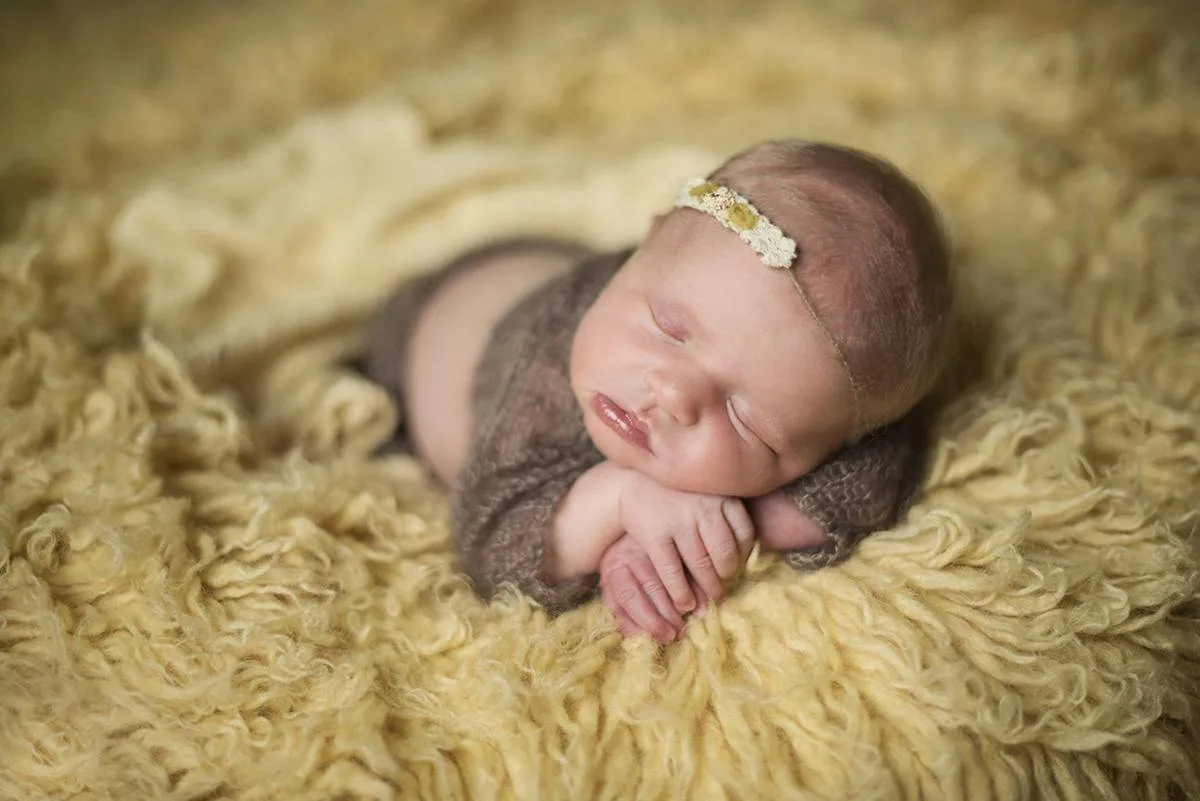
x=529, y=444
x=862, y=488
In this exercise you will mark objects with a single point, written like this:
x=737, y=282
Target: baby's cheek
x=746, y=472
x=728, y=475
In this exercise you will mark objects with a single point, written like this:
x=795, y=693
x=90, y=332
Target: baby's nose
x=680, y=393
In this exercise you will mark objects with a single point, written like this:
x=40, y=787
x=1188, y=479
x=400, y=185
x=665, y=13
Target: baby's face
x=702, y=368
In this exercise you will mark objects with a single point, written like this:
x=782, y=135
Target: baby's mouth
x=621, y=421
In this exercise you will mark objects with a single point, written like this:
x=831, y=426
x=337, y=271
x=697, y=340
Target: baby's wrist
x=631, y=496
x=587, y=522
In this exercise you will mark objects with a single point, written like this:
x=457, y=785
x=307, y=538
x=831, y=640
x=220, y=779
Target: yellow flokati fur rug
x=208, y=591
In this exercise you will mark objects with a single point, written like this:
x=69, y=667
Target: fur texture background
x=206, y=590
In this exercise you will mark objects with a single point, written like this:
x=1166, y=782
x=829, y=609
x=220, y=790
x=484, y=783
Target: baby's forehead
x=751, y=312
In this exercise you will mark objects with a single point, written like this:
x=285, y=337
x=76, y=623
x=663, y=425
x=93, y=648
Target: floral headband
x=775, y=248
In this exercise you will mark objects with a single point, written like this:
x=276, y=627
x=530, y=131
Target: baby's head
x=716, y=361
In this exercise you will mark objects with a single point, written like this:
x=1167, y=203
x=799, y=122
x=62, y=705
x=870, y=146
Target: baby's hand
x=632, y=591
x=687, y=534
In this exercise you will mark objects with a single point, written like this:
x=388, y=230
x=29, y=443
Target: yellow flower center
x=741, y=217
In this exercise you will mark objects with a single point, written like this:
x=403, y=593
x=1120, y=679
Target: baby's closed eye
x=668, y=324
x=744, y=429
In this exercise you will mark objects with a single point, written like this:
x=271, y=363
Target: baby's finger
x=740, y=522
x=670, y=569
x=647, y=578
x=633, y=601
x=721, y=545
x=702, y=602
x=700, y=565
x=625, y=624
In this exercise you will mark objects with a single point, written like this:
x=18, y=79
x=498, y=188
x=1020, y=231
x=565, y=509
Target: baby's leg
x=390, y=332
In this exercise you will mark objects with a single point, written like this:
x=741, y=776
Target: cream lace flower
x=739, y=215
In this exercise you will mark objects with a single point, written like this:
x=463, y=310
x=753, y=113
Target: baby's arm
x=507, y=526
x=817, y=519
x=687, y=535
x=586, y=523
x=545, y=522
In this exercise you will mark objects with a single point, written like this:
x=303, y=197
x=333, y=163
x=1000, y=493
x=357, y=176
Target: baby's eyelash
x=740, y=424
x=737, y=421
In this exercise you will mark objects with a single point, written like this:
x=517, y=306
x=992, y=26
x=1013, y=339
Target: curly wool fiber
x=208, y=591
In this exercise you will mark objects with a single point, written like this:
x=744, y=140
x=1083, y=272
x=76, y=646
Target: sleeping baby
x=636, y=421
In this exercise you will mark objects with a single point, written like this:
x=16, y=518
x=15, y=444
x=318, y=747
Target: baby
x=636, y=420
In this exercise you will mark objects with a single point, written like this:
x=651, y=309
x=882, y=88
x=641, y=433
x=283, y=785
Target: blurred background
x=244, y=179
x=87, y=88
x=1061, y=140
